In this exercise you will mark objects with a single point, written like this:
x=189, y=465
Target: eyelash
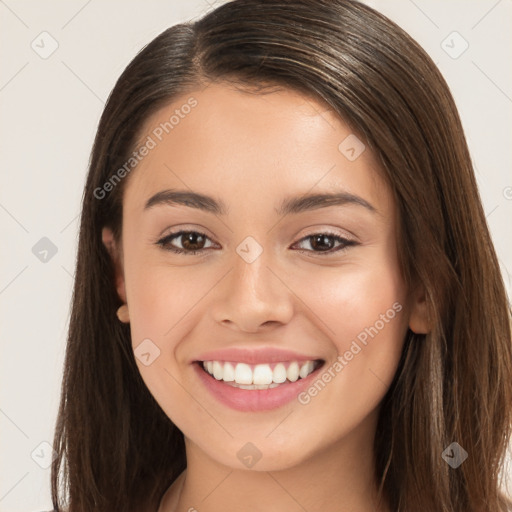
x=165, y=240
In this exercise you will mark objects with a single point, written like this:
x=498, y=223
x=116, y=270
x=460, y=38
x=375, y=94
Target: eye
x=191, y=239
x=325, y=243
x=193, y=242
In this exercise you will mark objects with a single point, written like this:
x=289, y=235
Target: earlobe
x=109, y=242
x=418, y=320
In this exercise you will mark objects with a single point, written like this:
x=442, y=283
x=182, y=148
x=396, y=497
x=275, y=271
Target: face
x=266, y=277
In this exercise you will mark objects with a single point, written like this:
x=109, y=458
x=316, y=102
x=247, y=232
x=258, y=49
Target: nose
x=253, y=296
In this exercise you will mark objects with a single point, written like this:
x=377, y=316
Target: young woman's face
x=276, y=278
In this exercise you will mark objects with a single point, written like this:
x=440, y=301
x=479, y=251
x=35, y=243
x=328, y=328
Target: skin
x=251, y=151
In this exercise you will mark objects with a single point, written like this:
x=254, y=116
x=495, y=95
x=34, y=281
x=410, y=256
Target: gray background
x=50, y=108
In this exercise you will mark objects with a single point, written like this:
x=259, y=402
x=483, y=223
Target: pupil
x=189, y=239
x=318, y=239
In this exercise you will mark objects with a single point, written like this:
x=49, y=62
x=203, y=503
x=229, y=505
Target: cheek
x=161, y=301
x=159, y=298
x=347, y=301
x=361, y=309
x=364, y=314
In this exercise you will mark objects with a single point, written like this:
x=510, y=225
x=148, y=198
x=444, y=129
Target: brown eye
x=191, y=242
x=325, y=243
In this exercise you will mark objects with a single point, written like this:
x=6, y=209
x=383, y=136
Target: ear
x=116, y=254
x=418, y=318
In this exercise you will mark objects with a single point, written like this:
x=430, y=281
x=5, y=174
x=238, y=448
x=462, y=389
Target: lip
x=254, y=356
x=254, y=400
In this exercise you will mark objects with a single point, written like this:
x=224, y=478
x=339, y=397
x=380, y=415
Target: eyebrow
x=291, y=205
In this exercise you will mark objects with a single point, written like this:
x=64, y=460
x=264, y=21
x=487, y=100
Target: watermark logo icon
x=454, y=45
x=248, y=455
x=44, y=250
x=249, y=250
x=351, y=147
x=44, y=45
x=454, y=455
x=146, y=352
x=43, y=455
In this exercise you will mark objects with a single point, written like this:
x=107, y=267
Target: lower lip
x=253, y=400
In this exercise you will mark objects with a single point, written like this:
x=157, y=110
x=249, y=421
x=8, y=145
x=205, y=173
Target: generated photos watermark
x=342, y=361
x=145, y=148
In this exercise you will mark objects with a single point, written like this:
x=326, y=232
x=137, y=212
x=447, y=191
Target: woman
x=282, y=213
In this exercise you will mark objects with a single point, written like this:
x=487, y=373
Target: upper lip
x=254, y=356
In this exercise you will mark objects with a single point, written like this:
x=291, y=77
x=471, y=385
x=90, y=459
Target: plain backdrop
x=50, y=108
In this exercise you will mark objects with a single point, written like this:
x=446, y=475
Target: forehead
x=252, y=149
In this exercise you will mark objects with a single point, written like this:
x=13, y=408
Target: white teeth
x=260, y=376
x=306, y=369
x=293, y=372
x=218, y=371
x=253, y=386
x=243, y=374
x=279, y=374
x=229, y=373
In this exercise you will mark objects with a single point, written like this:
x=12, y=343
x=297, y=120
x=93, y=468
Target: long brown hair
x=117, y=450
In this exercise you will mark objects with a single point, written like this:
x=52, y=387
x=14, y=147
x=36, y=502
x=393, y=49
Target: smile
x=259, y=376
x=256, y=387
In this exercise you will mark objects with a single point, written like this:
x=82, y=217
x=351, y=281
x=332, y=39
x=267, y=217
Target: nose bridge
x=253, y=294
x=252, y=279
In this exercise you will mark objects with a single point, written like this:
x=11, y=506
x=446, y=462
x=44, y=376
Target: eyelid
x=317, y=229
x=183, y=227
x=346, y=242
x=177, y=234
x=341, y=239
x=311, y=230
